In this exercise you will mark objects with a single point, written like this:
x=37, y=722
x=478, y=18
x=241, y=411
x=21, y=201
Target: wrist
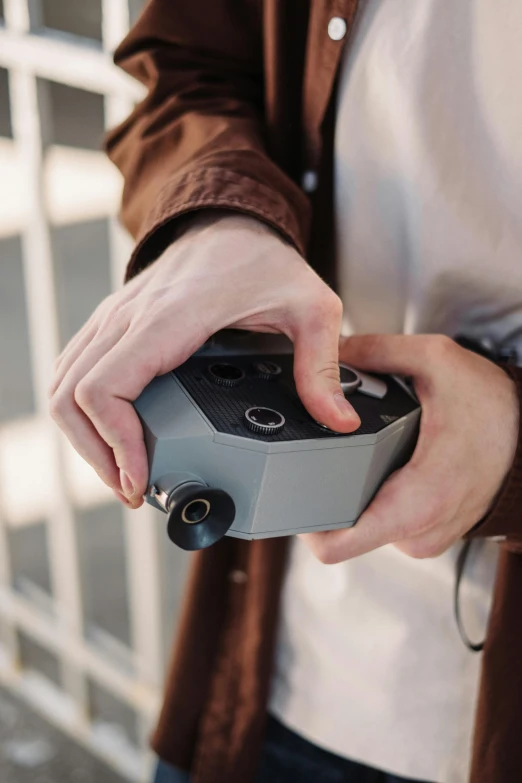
x=222, y=220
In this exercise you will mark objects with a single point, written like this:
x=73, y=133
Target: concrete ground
x=33, y=751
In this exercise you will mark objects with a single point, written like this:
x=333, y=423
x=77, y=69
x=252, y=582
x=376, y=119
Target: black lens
x=199, y=517
x=226, y=374
x=229, y=372
x=196, y=511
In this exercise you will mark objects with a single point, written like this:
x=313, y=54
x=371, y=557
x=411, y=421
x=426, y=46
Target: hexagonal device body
x=298, y=477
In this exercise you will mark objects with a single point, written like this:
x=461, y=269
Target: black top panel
x=225, y=405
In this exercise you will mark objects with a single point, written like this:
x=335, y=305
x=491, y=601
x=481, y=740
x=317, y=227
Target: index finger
x=414, y=354
x=108, y=390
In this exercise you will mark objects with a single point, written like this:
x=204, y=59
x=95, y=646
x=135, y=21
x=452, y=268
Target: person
x=381, y=144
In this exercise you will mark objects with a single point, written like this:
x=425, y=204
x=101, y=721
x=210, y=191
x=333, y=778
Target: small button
x=267, y=371
x=309, y=181
x=336, y=28
x=238, y=577
x=350, y=380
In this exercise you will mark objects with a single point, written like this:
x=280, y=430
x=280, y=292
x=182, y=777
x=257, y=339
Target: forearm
x=196, y=141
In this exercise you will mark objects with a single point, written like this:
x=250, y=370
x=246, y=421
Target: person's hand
x=466, y=446
x=225, y=271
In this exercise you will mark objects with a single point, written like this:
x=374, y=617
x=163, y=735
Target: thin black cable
x=459, y=571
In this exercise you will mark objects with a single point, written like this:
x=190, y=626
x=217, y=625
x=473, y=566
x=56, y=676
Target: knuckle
x=423, y=549
x=434, y=424
x=106, y=305
x=155, y=316
x=113, y=313
x=52, y=388
x=87, y=395
x=428, y=520
x=57, y=362
x=59, y=404
x=306, y=377
x=324, y=305
x=326, y=556
x=329, y=304
x=325, y=551
x=413, y=549
x=439, y=347
x=333, y=303
x=330, y=370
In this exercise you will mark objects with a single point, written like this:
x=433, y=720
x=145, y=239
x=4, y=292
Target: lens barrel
x=199, y=516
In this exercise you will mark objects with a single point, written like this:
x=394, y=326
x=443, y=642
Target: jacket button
x=238, y=577
x=336, y=28
x=309, y=181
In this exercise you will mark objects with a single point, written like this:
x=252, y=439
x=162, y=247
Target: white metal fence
x=88, y=592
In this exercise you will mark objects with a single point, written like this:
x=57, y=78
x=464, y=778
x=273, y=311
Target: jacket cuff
x=504, y=520
x=216, y=188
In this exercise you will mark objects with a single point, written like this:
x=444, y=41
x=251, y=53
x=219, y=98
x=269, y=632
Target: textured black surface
x=225, y=407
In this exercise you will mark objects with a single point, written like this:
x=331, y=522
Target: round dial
x=226, y=374
x=264, y=421
x=268, y=371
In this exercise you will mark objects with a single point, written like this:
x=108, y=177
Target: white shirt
x=428, y=187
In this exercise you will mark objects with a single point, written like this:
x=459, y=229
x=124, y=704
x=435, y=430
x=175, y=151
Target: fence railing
x=97, y=675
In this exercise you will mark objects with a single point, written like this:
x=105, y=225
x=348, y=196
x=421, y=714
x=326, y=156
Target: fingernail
x=126, y=484
x=345, y=407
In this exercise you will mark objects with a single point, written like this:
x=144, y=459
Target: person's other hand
x=225, y=271
x=467, y=442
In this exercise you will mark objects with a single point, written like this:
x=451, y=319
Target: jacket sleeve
x=505, y=518
x=197, y=140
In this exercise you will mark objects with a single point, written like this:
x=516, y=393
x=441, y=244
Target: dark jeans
x=288, y=758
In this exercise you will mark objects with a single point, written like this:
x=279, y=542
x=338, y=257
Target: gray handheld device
x=232, y=450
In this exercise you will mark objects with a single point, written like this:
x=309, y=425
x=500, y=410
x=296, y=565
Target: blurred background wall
x=89, y=592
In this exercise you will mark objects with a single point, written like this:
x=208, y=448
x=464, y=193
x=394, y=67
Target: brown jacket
x=239, y=106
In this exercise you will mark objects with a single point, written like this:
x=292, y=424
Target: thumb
x=316, y=373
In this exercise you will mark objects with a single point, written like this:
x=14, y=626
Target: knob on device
x=355, y=380
x=224, y=374
x=264, y=421
x=268, y=371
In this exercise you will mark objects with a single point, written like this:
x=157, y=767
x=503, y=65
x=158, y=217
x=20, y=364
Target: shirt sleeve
x=198, y=139
x=505, y=518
